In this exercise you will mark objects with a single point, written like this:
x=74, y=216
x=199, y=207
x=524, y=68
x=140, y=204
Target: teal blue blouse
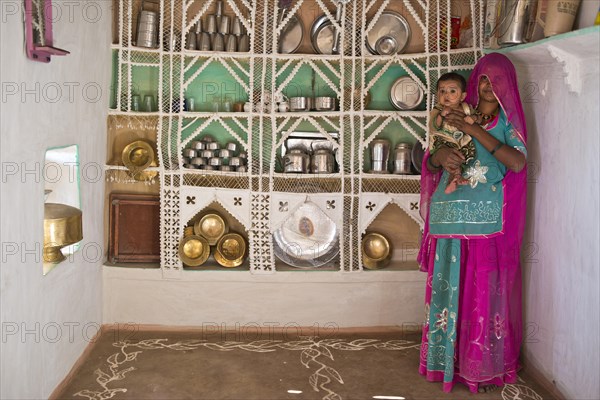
x=475, y=209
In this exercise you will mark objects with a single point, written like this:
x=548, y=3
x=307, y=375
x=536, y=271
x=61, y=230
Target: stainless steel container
x=215, y=161
x=296, y=161
x=198, y=161
x=514, y=18
x=211, y=24
x=244, y=44
x=226, y=168
x=325, y=103
x=225, y=25
x=402, y=158
x=243, y=155
x=197, y=145
x=232, y=146
x=380, y=154
x=322, y=161
x=299, y=104
x=147, y=29
x=190, y=153
x=236, y=161
x=207, y=153
x=218, y=42
x=191, y=41
x=203, y=40
x=231, y=44
x=242, y=168
x=213, y=146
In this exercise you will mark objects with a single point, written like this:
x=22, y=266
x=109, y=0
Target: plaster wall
x=230, y=299
x=561, y=275
x=47, y=321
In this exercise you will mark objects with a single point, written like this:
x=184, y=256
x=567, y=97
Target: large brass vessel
x=62, y=227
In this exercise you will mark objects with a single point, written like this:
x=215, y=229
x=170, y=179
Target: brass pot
x=62, y=227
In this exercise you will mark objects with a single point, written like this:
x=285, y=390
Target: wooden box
x=134, y=228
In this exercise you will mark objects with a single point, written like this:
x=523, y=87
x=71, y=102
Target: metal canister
x=514, y=20
x=402, y=158
x=296, y=161
x=147, y=29
x=322, y=161
x=380, y=152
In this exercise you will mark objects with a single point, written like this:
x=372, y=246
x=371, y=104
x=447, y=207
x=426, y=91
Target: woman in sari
x=472, y=240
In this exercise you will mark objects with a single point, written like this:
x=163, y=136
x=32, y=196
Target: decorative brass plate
x=211, y=226
x=376, y=251
x=231, y=250
x=194, y=250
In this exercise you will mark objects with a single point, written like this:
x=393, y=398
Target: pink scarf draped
x=501, y=73
x=490, y=275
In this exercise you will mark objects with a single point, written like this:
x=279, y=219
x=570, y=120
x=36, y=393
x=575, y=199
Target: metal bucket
x=515, y=17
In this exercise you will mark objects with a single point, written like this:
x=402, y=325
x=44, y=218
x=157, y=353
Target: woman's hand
x=456, y=118
x=450, y=159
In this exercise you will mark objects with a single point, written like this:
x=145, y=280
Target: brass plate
x=376, y=251
x=138, y=155
x=194, y=250
x=211, y=226
x=143, y=176
x=231, y=250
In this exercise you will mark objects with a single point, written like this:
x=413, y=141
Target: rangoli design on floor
x=314, y=354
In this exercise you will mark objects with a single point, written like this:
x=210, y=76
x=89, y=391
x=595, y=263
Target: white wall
x=562, y=280
x=61, y=310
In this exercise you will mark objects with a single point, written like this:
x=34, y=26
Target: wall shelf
x=249, y=77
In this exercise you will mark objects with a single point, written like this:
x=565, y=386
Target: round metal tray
x=390, y=24
x=307, y=239
x=291, y=36
x=322, y=34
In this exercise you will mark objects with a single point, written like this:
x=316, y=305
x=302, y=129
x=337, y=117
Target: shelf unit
x=353, y=198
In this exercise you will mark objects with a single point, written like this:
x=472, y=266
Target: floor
x=253, y=364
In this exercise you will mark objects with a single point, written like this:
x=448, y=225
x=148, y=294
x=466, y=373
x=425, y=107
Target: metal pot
x=325, y=103
x=296, y=161
x=299, y=104
x=322, y=161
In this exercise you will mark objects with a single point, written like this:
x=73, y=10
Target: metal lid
x=406, y=94
x=389, y=24
x=403, y=146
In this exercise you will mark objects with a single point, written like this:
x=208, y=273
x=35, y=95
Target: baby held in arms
x=451, y=92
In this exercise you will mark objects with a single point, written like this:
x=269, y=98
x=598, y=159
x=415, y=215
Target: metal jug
x=296, y=161
x=322, y=161
x=515, y=17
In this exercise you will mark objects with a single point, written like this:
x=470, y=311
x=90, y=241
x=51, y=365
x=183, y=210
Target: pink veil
x=501, y=73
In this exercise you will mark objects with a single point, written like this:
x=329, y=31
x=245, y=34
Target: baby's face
x=450, y=94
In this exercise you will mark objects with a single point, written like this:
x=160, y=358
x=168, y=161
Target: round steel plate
x=291, y=36
x=406, y=94
x=322, y=35
x=389, y=24
x=307, y=239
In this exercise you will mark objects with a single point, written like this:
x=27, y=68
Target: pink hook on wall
x=38, y=18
